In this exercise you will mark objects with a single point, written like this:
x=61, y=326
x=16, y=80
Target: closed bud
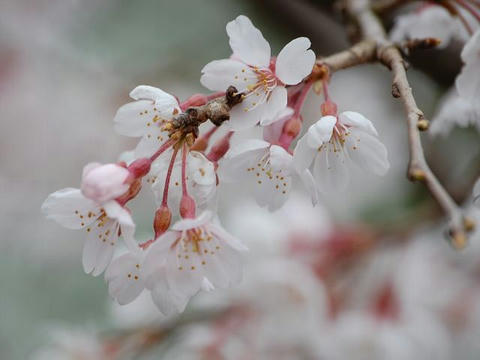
x=139, y=168
x=162, y=220
x=293, y=127
x=187, y=207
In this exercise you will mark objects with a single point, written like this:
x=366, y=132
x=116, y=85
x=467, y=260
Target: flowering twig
x=418, y=169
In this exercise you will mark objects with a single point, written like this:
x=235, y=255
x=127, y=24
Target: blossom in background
x=103, y=222
x=468, y=81
x=476, y=193
x=430, y=21
x=145, y=118
x=196, y=254
x=252, y=71
x=201, y=180
x=454, y=111
x=264, y=167
x=334, y=143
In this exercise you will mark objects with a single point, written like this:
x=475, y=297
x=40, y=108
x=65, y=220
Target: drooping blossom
x=252, y=71
x=428, y=22
x=468, y=81
x=201, y=180
x=145, y=118
x=103, y=223
x=454, y=111
x=102, y=183
x=265, y=168
x=196, y=254
x=334, y=143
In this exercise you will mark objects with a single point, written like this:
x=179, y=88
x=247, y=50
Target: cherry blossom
x=103, y=222
x=102, y=183
x=145, y=118
x=196, y=254
x=333, y=143
x=264, y=167
x=251, y=70
x=468, y=81
x=431, y=21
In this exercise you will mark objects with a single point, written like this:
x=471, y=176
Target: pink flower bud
x=102, y=183
x=162, y=220
x=329, y=108
x=140, y=167
x=187, y=207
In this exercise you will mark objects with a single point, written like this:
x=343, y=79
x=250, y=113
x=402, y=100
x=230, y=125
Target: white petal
x=99, y=247
x=355, y=119
x=202, y=170
x=295, y=61
x=367, y=152
x=151, y=141
x=471, y=50
x=186, y=224
x=275, y=105
x=237, y=166
x=248, y=43
x=218, y=75
x=242, y=116
x=246, y=146
x=468, y=82
x=160, y=97
x=321, y=131
x=310, y=185
x=303, y=155
x=330, y=170
x=280, y=159
x=184, y=276
x=272, y=132
x=70, y=208
x=223, y=235
x=124, y=278
x=166, y=301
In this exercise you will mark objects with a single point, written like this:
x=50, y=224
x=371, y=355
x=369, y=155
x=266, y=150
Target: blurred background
x=367, y=273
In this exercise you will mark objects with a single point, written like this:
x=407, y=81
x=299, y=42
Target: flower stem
x=184, y=169
x=167, y=178
x=162, y=148
x=301, y=98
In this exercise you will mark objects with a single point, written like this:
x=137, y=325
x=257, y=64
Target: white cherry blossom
x=251, y=70
x=201, y=180
x=468, y=81
x=103, y=223
x=432, y=21
x=265, y=168
x=333, y=144
x=195, y=255
x=145, y=117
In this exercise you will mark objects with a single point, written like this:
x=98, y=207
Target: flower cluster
x=189, y=250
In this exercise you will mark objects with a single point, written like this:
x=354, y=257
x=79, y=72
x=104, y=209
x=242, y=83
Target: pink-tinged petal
x=367, y=152
x=295, y=61
x=218, y=75
x=275, y=105
x=303, y=155
x=248, y=43
x=357, y=120
x=103, y=183
x=70, y=208
x=272, y=132
x=321, y=131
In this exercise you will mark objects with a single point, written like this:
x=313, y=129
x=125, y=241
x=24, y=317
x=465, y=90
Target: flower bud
x=103, y=183
x=187, y=207
x=293, y=127
x=140, y=167
x=162, y=220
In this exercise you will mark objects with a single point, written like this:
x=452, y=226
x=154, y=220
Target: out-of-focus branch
x=418, y=169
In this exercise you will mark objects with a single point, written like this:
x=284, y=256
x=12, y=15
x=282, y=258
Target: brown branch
x=418, y=169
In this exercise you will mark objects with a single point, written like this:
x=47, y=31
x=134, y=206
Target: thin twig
x=418, y=169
